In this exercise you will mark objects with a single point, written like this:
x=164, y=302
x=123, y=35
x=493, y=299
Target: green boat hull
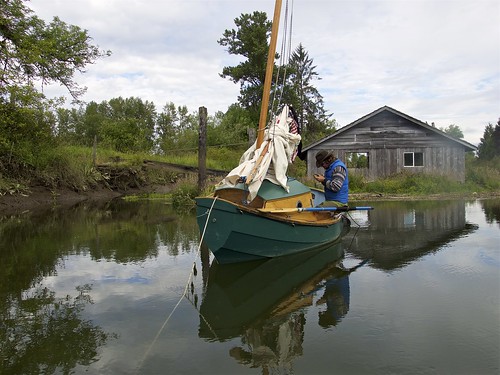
x=236, y=235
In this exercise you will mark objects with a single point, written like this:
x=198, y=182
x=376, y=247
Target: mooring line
x=189, y=281
x=204, y=319
x=355, y=233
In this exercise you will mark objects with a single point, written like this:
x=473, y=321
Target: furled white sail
x=270, y=161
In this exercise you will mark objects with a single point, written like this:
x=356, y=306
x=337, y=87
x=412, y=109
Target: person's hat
x=321, y=156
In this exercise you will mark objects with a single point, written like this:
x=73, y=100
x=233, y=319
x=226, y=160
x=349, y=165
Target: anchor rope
x=184, y=294
x=356, y=232
x=203, y=317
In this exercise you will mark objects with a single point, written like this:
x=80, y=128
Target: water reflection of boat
x=264, y=302
x=401, y=232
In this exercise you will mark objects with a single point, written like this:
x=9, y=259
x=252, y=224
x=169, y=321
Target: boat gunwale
x=281, y=217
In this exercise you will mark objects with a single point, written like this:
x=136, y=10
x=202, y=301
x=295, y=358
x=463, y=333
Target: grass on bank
x=73, y=167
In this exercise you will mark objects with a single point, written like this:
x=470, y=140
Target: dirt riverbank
x=42, y=198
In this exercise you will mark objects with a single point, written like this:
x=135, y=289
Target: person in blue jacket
x=335, y=179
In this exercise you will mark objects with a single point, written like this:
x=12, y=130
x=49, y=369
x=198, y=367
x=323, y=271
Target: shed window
x=357, y=159
x=413, y=159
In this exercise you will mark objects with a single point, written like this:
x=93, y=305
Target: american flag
x=293, y=128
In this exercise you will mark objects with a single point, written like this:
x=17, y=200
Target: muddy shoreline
x=41, y=198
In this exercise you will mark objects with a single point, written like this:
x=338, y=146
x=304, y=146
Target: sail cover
x=270, y=160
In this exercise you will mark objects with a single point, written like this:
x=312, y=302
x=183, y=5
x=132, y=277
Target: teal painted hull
x=235, y=235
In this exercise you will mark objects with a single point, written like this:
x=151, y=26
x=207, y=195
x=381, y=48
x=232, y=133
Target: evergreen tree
x=305, y=98
x=489, y=146
x=249, y=40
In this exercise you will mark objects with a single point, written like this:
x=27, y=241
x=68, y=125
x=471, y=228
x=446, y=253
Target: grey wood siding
x=386, y=136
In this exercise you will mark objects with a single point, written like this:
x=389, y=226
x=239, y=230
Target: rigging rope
x=188, y=283
x=284, y=59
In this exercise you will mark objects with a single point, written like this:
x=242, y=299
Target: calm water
x=414, y=287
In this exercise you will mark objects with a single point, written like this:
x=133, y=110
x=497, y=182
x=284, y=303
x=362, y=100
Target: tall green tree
x=129, y=125
x=93, y=117
x=33, y=51
x=230, y=129
x=165, y=127
x=454, y=131
x=489, y=145
x=176, y=129
x=305, y=98
x=250, y=40
x=34, y=54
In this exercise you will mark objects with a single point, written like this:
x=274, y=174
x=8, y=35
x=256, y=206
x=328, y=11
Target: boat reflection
x=399, y=233
x=265, y=303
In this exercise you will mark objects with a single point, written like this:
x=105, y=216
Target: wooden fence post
x=251, y=132
x=202, y=148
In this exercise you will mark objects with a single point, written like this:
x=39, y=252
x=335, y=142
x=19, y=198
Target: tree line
x=133, y=125
x=34, y=53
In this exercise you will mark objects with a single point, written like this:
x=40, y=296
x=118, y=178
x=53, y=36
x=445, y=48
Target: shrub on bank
x=485, y=174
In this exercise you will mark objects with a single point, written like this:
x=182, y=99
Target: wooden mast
x=269, y=73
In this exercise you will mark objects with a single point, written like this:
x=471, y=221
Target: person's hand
x=319, y=178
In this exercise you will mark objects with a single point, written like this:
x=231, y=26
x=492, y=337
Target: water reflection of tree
x=135, y=231
x=118, y=231
x=272, y=344
x=491, y=209
x=40, y=333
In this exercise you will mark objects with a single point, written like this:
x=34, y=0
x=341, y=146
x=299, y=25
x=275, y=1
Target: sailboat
x=257, y=211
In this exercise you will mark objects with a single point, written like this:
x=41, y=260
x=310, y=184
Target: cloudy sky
x=435, y=60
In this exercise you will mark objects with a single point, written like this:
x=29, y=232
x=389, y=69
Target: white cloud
x=437, y=61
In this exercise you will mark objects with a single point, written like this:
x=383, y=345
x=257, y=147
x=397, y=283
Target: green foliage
x=177, y=129
x=31, y=50
x=121, y=124
x=357, y=183
x=454, y=131
x=485, y=174
x=412, y=184
x=305, y=98
x=183, y=196
x=356, y=160
x=56, y=169
x=249, y=40
x=223, y=158
x=298, y=169
x=489, y=146
x=230, y=128
x=25, y=126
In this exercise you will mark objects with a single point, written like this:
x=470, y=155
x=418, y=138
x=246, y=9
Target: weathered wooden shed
x=387, y=142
